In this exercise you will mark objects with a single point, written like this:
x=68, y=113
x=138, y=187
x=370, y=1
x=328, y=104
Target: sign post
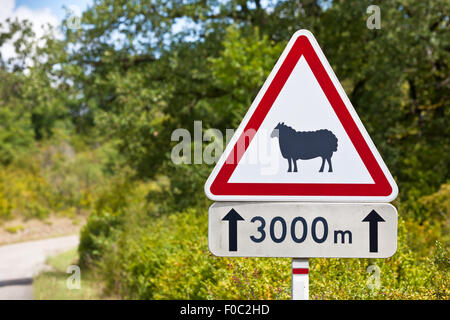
x=301, y=177
x=300, y=279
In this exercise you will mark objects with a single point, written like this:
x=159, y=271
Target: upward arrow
x=373, y=218
x=232, y=217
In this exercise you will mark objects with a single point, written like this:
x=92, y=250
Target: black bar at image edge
x=214, y=309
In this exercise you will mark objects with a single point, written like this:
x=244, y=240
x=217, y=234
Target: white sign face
x=302, y=230
x=301, y=140
x=314, y=112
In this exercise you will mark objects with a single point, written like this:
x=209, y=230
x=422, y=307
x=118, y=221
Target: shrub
x=97, y=235
x=167, y=257
x=56, y=179
x=114, y=202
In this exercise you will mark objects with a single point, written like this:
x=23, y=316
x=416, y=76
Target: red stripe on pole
x=300, y=271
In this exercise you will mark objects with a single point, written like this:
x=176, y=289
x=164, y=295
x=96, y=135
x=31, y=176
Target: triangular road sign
x=301, y=140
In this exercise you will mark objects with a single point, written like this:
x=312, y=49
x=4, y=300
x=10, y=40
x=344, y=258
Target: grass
x=14, y=229
x=52, y=285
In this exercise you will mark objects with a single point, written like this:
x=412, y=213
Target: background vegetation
x=52, y=284
x=86, y=119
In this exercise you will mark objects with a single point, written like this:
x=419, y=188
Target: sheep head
x=276, y=131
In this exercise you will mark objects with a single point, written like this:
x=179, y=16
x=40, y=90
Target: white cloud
x=38, y=17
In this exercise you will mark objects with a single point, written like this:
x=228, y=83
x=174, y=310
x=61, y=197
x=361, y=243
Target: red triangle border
x=381, y=186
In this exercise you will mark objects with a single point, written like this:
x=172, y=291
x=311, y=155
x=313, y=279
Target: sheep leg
x=323, y=164
x=295, y=164
x=330, y=167
x=289, y=161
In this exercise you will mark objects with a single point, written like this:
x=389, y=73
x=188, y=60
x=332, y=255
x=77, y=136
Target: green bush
x=58, y=179
x=97, y=235
x=409, y=274
x=167, y=257
x=113, y=208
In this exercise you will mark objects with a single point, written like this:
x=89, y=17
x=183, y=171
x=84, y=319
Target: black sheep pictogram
x=305, y=145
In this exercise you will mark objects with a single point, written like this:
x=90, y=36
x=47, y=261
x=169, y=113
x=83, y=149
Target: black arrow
x=373, y=218
x=232, y=217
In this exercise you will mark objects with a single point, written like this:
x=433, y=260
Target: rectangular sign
x=302, y=230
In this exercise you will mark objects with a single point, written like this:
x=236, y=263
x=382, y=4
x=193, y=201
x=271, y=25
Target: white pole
x=300, y=279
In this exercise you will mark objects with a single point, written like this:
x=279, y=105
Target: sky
x=39, y=12
x=55, y=7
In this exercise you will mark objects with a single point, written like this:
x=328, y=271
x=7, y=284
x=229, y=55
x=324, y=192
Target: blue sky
x=56, y=6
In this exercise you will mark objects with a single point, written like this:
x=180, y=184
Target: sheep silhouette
x=305, y=145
